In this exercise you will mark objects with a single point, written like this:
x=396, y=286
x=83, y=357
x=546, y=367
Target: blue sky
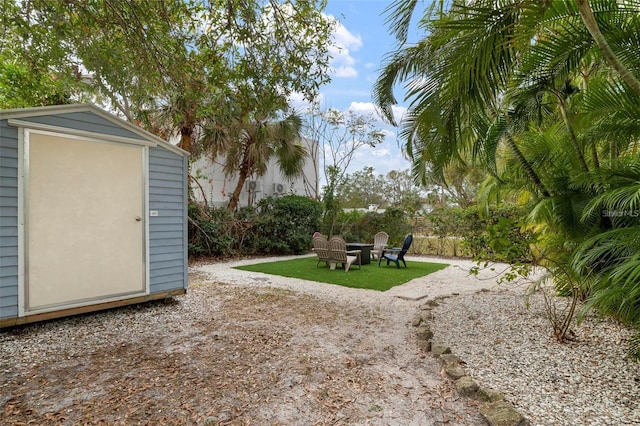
x=364, y=40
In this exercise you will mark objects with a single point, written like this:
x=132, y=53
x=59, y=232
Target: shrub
x=209, y=231
x=276, y=226
x=496, y=235
x=285, y=225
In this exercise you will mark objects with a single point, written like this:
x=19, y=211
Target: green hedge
x=281, y=225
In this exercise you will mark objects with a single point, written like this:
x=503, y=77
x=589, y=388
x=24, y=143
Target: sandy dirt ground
x=237, y=351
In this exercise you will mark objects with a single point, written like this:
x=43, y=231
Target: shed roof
x=56, y=110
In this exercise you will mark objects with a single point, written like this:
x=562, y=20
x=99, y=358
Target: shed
x=93, y=213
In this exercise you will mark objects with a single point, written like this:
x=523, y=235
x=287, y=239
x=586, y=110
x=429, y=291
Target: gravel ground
x=507, y=347
x=247, y=348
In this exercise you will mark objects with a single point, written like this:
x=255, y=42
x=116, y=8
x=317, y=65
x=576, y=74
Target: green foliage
x=210, y=231
x=175, y=66
x=284, y=225
x=276, y=226
x=634, y=346
x=495, y=235
x=554, y=123
x=362, y=226
x=21, y=87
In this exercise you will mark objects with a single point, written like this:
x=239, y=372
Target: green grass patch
x=370, y=276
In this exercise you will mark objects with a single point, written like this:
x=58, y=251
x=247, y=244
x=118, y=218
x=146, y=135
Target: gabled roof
x=57, y=110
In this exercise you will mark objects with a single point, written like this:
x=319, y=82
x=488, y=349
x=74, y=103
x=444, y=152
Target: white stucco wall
x=217, y=188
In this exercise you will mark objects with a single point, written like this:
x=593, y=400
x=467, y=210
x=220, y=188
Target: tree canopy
x=171, y=66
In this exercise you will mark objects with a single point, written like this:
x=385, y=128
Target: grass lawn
x=370, y=276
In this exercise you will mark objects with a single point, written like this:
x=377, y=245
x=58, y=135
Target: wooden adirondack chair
x=379, y=243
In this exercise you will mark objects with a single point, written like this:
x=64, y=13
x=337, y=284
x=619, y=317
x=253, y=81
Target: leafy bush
x=276, y=226
x=285, y=225
x=209, y=231
x=362, y=226
x=495, y=235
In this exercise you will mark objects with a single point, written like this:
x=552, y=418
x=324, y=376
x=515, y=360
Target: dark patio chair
x=396, y=255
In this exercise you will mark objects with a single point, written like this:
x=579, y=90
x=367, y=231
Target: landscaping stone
x=439, y=349
x=488, y=395
x=424, y=332
x=454, y=371
x=427, y=316
x=425, y=345
x=466, y=386
x=417, y=320
x=450, y=359
x=501, y=413
x=430, y=304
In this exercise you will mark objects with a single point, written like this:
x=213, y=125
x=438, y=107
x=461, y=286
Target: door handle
x=138, y=218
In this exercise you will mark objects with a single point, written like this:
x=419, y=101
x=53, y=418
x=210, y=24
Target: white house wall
x=217, y=188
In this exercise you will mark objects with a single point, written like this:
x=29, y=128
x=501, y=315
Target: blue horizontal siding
x=8, y=309
x=9, y=230
x=7, y=272
x=165, y=191
x=8, y=184
x=86, y=121
x=8, y=173
x=10, y=291
x=167, y=231
x=8, y=152
x=8, y=220
x=169, y=209
x=163, y=249
x=167, y=263
x=8, y=241
x=175, y=236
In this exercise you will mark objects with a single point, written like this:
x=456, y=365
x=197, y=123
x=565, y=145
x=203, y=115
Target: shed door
x=85, y=222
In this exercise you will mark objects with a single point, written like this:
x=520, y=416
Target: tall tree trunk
x=592, y=26
x=572, y=135
x=594, y=156
x=185, y=138
x=243, y=174
x=235, y=197
x=527, y=167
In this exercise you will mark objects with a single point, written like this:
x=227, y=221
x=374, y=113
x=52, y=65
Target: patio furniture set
x=335, y=251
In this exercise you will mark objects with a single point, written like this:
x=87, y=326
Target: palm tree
x=248, y=143
x=540, y=93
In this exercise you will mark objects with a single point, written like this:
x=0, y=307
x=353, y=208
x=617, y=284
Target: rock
x=450, y=359
x=439, y=349
x=488, y=395
x=454, y=371
x=501, y=413
x=417, y=320
x=425, y=345
x=466, y=386
x=427, y=316
x=424, y=332
x=430, y=304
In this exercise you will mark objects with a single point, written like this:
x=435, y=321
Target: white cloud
x=344, y=72
x=344, y=43
x=343, y=38
x=388, y=134
x=298, y=102
x=398, y=112
x=364, y=108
